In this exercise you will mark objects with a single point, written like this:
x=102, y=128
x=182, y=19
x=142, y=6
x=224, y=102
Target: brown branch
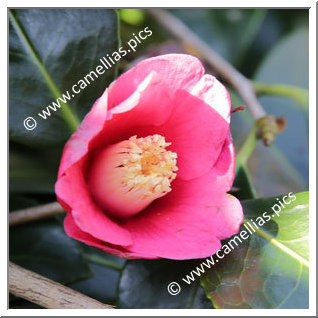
x=238, y=81
x=34, y=213
x=47, y=293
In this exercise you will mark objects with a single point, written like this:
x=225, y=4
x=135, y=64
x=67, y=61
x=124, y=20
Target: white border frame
x=312, y=163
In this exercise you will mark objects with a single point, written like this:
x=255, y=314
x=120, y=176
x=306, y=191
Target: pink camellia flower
x=146, y=173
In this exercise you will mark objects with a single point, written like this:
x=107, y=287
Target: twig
x=47, y=293
x=299, y=94
x=247, y=149
x=34, y=213
x=102, y=261
x=238, y=81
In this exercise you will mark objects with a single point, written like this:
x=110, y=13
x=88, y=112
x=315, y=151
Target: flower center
x=148, y=165
x=128, y=176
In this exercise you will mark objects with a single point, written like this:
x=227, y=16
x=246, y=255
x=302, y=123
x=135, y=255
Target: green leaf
x=50, y=51
x=230, y=32
x=19, y=201
x=102, y=285
x=243, y=185
x=270, y=170
x=32, y=171
x=43, y=247
x=284, y=63
x=288, y=63
x=270, y=268
x=143, y=284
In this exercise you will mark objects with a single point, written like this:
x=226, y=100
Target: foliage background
x=268, y=46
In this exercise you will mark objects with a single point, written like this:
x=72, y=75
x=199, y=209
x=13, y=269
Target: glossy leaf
x=50, y=51
x=32, y=171
x=287, y=64
x=102, y=285
x=230, y=32
x=18, y=201
x=242, y=186
x=242, y=36
x=270, y=170
x=43, y=247
x=143, y=284
x=270, y=268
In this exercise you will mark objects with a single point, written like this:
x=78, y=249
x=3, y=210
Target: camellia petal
x=78, y=145
x=75, y=232
x=198, y=133
x=178, y=233
x=195, y=206
x=135, y=171
x=214, y=94
x=179, y=71
x=73, y=191
x=149, y=106
x=160, y=202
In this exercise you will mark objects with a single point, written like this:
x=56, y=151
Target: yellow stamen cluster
x=148, y=167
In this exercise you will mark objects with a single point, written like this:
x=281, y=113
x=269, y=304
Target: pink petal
x=72, y=190
x=77, y=146
x=150, y=105
x=197, y=131
x=166, y=95
x=178, y=71
x=99, y=129
x=191, y=220
x=186, y=231
x=213, y=93
x=224, y=168
x=75, y=232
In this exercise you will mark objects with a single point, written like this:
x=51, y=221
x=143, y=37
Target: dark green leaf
x=230, y=32
x=287, y=64
x=43, y=247
x=18, y=201
x=276, y=67
x=270, y=170
x=32, y=171
x=68, y=44
x=243, y=188
x=102, y=285
x=270, y=268
x=144, y=283
x=242, y=36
